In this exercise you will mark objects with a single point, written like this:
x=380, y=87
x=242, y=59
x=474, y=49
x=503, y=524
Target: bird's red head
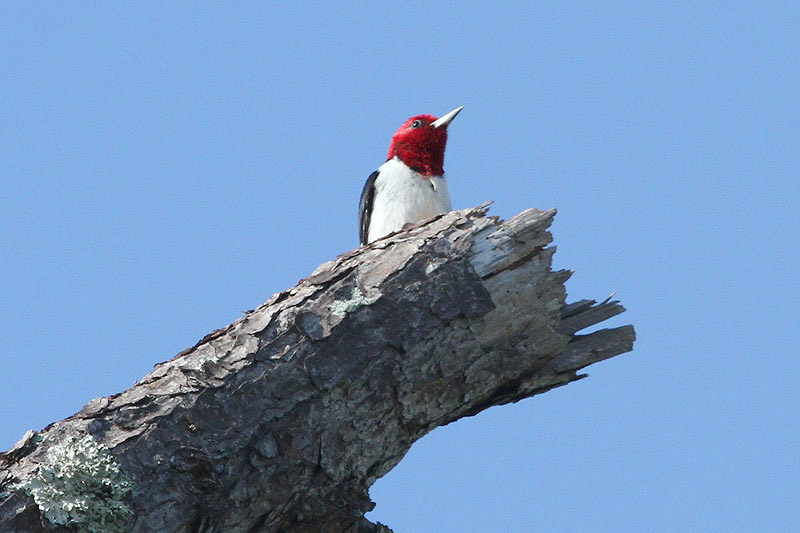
x=420, y=143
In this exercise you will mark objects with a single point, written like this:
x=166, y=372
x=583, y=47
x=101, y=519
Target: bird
x=410, y=186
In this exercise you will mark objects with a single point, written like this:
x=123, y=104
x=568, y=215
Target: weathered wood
x=282, y=420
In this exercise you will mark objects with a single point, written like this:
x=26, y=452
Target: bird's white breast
x=402, y=196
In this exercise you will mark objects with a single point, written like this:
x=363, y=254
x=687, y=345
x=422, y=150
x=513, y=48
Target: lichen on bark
x=81, y=486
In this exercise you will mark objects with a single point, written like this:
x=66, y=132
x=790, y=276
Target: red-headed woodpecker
x=410, y=185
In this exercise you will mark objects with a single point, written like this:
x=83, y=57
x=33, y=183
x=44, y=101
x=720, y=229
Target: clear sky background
x=164, y=167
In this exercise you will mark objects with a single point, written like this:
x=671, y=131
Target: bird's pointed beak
x=444, y=120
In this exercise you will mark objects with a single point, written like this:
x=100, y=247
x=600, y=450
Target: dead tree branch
x=282, y=420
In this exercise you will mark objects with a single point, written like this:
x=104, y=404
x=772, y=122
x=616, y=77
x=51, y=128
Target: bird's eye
x=416, y=124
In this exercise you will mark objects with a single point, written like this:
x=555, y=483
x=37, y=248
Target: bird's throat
x=428, y=162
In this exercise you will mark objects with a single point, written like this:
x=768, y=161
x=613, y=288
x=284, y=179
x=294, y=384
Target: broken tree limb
x=282, y=420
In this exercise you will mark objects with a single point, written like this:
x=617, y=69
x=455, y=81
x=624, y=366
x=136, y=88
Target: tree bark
x=282, y=420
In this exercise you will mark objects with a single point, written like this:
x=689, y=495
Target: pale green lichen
x=339, y=308
x=81, y=486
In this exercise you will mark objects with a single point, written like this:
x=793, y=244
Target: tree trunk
x=282, y=420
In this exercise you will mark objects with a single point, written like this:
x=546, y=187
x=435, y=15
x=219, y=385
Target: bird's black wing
x=365, y=207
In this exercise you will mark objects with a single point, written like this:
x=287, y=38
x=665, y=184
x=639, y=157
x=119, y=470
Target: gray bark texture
x=282, y=420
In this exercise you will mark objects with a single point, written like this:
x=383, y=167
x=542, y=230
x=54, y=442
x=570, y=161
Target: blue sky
x=165, y=167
